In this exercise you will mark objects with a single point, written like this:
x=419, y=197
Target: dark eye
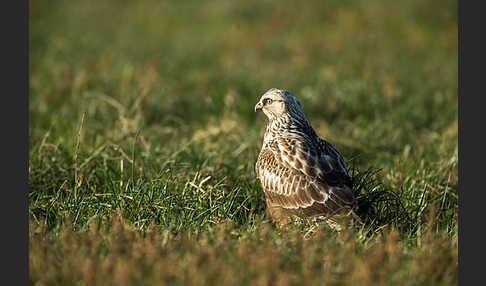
x=267, y=101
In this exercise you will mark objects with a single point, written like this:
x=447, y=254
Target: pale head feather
x=276, y=103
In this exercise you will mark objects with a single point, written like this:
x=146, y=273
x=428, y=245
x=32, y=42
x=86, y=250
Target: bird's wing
x=295, y=186
x=335, y=159
x=316, y=158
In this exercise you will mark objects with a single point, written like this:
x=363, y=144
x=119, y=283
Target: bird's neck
x=286, y=126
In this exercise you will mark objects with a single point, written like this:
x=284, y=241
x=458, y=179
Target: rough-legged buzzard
x=301, y=174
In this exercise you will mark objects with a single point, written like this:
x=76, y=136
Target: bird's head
x=276, y=103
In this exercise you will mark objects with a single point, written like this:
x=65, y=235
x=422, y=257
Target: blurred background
x=377, y=73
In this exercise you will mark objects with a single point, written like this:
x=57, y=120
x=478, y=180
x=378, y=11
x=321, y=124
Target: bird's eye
x=267, y=101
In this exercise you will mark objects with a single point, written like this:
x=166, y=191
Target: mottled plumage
x=300, y=173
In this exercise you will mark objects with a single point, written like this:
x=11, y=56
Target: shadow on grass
x=378, y=206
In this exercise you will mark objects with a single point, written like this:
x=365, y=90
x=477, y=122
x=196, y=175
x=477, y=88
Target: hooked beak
x=258, y=106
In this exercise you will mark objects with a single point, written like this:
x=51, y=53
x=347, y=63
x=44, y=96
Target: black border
x=15, y=140
x=472, y=81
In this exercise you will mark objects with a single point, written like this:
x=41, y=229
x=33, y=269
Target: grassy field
x=143, y=140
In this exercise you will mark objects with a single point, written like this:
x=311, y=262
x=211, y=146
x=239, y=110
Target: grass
x=143, y=140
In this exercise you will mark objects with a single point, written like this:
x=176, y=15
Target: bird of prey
x=301, y=174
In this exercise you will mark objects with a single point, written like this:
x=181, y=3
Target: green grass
x=143, y=140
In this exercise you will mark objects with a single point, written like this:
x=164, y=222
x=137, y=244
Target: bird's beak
x=258, y=106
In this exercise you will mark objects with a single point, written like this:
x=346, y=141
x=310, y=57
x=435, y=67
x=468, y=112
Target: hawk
x=301, y=174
